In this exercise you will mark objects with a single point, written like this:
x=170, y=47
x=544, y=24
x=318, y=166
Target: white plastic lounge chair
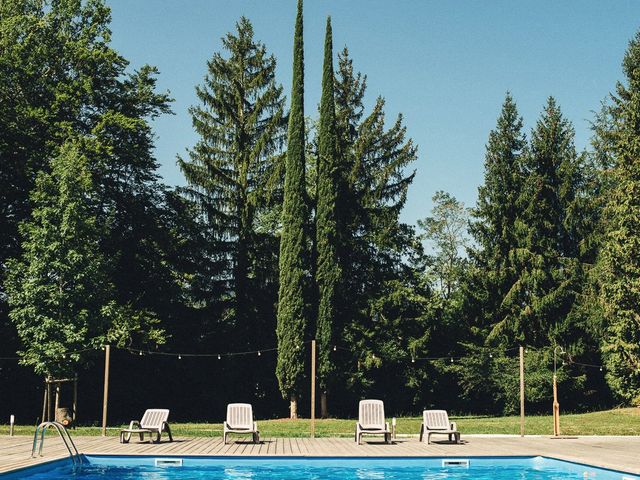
x=437, y=422
x=371, y=420
x=240, y=420
x=154, y=421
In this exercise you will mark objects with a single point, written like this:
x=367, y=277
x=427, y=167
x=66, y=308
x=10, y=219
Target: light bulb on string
x=179, y=357
x=600, y=368
x=219, y=356
x=259, y=353
x=451, y=359
x=413, y=360
x=335, y=348
x=373, y=356
x=140, y=353
x=491, y=355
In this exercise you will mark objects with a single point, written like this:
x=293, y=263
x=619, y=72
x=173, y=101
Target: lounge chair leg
x=421, y=431
x=224, y=438
x=168, y=429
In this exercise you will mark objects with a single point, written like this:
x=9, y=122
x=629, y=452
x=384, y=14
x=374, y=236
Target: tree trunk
x=293, y=407
x=324, y=410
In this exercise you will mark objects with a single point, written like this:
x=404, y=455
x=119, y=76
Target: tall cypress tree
x=620, y=256
x=293, y=269
x=233, y=170
x=328, y=268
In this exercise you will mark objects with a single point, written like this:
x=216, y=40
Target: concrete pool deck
x=619, y=453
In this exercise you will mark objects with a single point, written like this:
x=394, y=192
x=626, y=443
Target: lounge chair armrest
x=454, y=426
x=386, y=426
x=255, y=426
x=134, y=423
x=164, y=426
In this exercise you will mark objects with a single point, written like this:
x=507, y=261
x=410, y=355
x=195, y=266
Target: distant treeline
x=288, y=229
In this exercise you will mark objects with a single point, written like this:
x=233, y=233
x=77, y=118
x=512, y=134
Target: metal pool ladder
x=41, y=429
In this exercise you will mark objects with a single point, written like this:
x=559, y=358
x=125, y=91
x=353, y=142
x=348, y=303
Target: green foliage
x=234, y=176
x=494, y=219
x=380, y=305
x=546, y=254
x=292, y=322
x=59, y=290
x=328, y=275
x=61, y=78
x=619, y=263
x=446, y=230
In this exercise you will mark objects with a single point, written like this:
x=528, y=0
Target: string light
x=179, y=357
x=219, y=356
x=259, y=353
x=335, y=348
x=451, y=359
x=140, y=353
x=413, y=360
x=490, y=355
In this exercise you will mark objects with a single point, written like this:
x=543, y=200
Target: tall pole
x=105, y=398
x=313, y=388
x=49, y=400
x=522, y=391
x=57, y=403
x=556, y=404
x=75, y=399
x=44, y=404
x=556, y=408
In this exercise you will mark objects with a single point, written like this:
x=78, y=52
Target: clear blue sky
x=445, y=65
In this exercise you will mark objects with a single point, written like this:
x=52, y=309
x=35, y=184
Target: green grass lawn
x=624, y=421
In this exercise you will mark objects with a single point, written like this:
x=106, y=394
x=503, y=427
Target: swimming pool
x=296, y=468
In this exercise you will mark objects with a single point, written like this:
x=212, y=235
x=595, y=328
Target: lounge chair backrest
x=154, y=418
x=371, y=414
x=436, y=419
x=240, y=415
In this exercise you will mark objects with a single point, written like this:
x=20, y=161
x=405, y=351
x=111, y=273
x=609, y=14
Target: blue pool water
x=289, y=468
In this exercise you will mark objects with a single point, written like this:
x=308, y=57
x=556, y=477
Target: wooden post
x=522, y=391
x=105, y=398
x=313, y=388
x=556, y=408
x=44, y=404
x=48, y=400
x=57, y=403
x=75, y=399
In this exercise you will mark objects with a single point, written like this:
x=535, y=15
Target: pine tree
x=539, y=301
x=292, y=322
x=494, y=218
x=619, y=263
x=233, y=171
x=373, y=241
x=328, y=275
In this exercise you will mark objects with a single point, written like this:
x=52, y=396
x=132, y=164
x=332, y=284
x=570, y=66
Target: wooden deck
x=621, y=453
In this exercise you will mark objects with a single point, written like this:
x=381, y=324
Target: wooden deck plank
x=610, y=452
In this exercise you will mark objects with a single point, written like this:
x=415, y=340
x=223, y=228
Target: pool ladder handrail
x=74, y=454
